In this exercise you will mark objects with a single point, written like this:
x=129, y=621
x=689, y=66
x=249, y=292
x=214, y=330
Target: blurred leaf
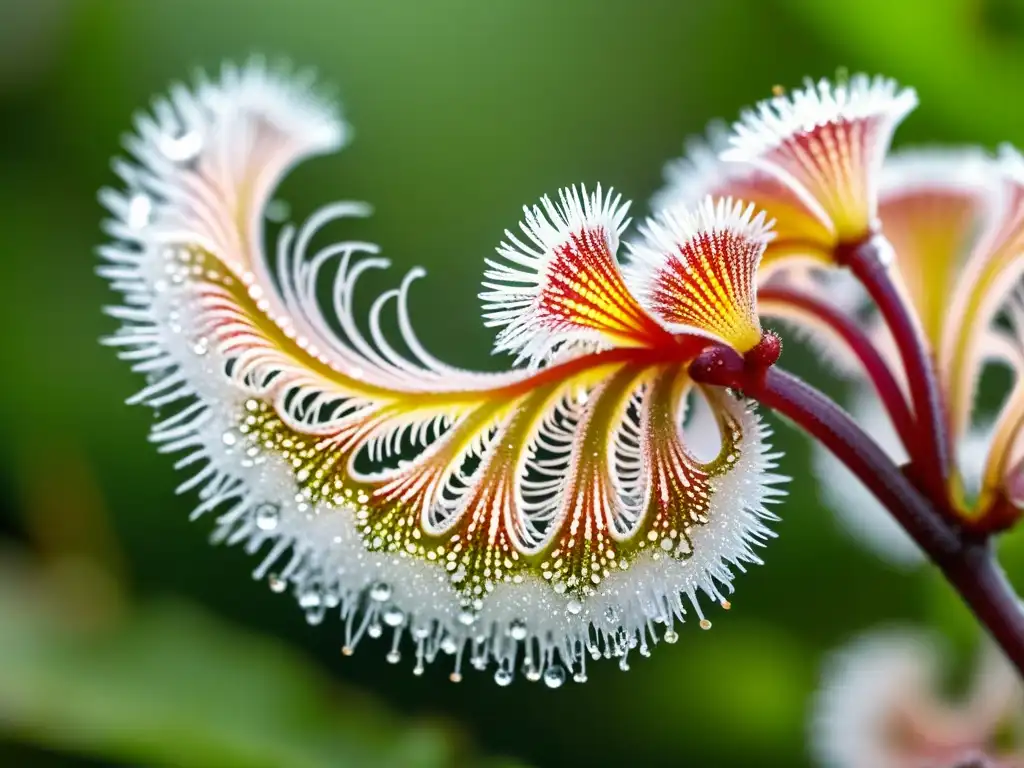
x=170, y=685
x=964, y=57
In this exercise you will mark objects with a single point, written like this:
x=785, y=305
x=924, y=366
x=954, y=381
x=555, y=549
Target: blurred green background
x=126, y=640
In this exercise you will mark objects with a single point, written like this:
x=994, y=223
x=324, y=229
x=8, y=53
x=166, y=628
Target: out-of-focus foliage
x=463, y=111
x=168, y=685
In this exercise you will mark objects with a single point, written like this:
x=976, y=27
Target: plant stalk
x=870, y=260
x=966, y=560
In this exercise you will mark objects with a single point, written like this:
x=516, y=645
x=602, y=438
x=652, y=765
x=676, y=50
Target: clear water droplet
x=182, y=146
x=554, y=676
x=229, y=438
x=393, y=657
x=448, y=645
x=310, y=598
x=140, y=211
x=277, y=210
x=466, y=618
x=503, y=677
x=380, y=592
x=393, y=616
x=580, y=677
x=574, y=607
x=517, y=629
x=277, y=584
x=375, y=630
x=267, y=516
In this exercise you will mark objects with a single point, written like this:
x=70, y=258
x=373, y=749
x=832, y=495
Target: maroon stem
x=869, y=261
x=966, y=560
x=862, y=347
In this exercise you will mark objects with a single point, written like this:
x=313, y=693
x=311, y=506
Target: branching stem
x=966, y=559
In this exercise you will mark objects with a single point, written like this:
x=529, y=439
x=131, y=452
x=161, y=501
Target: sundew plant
x=610, y=485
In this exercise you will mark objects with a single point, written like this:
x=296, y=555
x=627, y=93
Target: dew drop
x=310, y=599
x=182, y=147
x=580, y=677
x=393, y=657
x=140, y=210
x=517, y=629
x=277, y=210
x=267, y=516
x=277, y=584
x=574, y=607
x=393, y=616
x=229, y=438
x=380, y=592
x=503, y=677
x=375, y=630
x=554, y=676
x=466, y=618
x=448, y=645
x=666, y=544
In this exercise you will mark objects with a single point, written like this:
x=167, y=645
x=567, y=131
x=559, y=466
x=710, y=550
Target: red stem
x=869, y=261
x=965, y=559
x=874, y=364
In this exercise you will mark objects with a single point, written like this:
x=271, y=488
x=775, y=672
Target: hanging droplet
x=393, y=657
x=181, y=146
x=380, y=592
x=310, y=598
x=554, y=676
x=140, y=211
x=466, y=618
x=267, y=516
x=670, y=636
x=277, y=211
x=580, y=677
x=705, y=624
x=375, y=630
x=229, y=438
x=517, y=629
x=503, y=677
x=448, y=645
x=574, y=607
x=277, y=584
x=393, y=616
